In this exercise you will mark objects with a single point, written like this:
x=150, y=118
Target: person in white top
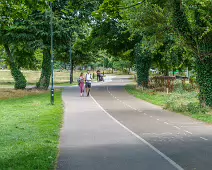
x=88, y=79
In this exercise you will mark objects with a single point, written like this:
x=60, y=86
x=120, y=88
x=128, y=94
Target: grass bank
x=29, y=130
x=179, y=101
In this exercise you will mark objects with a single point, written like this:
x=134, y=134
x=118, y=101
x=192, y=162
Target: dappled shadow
x=118, y=156
x=97, y=146
x=188, y=149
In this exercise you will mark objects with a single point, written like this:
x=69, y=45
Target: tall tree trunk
x=44, y=80
x=203, y=64
x=166, y=72
x=204, y=79
x=20, y=81
x=143, y=64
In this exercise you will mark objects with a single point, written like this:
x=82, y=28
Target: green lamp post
x=52, y=56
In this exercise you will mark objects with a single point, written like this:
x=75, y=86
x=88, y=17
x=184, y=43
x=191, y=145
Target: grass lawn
x=6, y=79
x=180, y=102
x=61, y=78
x=149, y=96
x=29, y=130
x=66, y=84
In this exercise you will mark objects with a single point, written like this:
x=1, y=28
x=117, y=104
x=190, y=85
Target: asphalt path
x=112, y=130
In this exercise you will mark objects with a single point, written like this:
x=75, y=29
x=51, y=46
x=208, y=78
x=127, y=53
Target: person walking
x=88, y=78
x=81, y=84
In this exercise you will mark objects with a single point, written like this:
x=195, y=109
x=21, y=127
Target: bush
x=182, y=101
x=196, y=108
x=181, y=87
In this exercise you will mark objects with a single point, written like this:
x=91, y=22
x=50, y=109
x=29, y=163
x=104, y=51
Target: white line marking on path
x=176, y=127
x=141, y=139
x=121, y=101
x=159, y=119
x=188, y=132
x=203, y=138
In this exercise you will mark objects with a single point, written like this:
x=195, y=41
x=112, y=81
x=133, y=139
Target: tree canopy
x=165, y=34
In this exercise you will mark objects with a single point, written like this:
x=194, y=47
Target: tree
x=14, y=35
x=10, y=16
x=68, y=18
x=171, y=35
x=190, y=24
x=110, y=33
x=193, y=22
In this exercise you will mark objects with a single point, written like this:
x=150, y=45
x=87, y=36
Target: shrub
x=196, y=108
x=182, y=101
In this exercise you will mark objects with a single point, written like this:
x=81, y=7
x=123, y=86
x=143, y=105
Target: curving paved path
x=112, y=130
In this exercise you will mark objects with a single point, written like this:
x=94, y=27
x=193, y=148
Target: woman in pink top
x=81, y=84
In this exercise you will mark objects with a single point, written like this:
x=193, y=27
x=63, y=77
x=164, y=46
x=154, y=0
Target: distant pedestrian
x=98, y=74
x=88, y=78
x=101, y=77
x=81, y=83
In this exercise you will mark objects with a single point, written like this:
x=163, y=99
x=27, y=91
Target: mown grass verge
x=29, y=132
x=179, y=101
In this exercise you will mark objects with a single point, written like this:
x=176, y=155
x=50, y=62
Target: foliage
x=10, y=12
x=38, y=55
x=110, y=33
x=172, y=35
x=20, y=81
x=44, y=80
x=195, y=24
x=121, y=65
x=16, y=36
x=25, y=28
x=204, y=79
x=177, y=32
x=143, y=64
x=185, y=102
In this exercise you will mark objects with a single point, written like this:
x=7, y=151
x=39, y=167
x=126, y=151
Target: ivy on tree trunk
x=44, y=80
x=204, y=79
x=20, y=81
x=203, y=64
x=143, y=64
